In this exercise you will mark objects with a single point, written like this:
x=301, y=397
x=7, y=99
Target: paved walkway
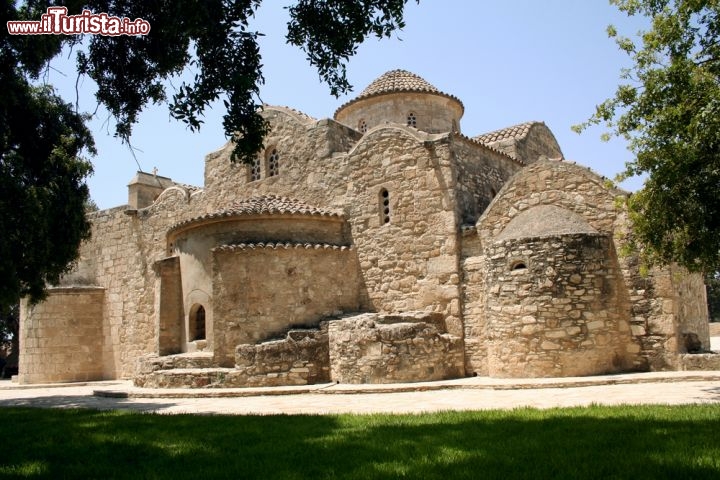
x=463, y=394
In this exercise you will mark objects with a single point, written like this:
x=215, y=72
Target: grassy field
x=597, y=442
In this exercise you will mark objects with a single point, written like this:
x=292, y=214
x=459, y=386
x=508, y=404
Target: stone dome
x=396, y=81
x=544, y=221
x=399, y=96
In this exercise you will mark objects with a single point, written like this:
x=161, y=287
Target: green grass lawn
x=597, y=442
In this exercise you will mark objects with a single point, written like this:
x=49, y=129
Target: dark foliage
x=669, y=109
x=42, y=173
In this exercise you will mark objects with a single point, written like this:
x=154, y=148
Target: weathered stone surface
x=301, y=358
x=369, y=349
x=61, y=337
x=512, y=258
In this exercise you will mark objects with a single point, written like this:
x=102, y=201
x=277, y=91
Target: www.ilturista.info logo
x=57, y=22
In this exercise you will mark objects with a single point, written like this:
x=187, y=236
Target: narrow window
x=518, y=265
x=255, y=170
x=362, y=126
x=273, y=163
x=197, y=323
x=411, y=120
x=384, y=206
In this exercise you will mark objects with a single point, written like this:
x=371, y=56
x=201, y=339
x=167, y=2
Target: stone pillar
x=169, y=306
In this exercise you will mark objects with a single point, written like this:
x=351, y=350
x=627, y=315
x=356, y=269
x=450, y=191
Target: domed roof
x=398, y=81
x=544, y=221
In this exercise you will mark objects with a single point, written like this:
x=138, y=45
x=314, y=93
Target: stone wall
x=62, y=337
x=652, y=300
x=168, y=307
x=388, y=349
x=433, y=113
x=481, y=173
x=311, y=157
x=475, y=324
x=301, y=358
x=691, y=309
x=554, y=308
x=538, y=142
x=410, y=262
x=260, y=291
x=121, y=253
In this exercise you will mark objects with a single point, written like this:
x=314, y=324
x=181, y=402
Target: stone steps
x=217, y=378
x=151, y=363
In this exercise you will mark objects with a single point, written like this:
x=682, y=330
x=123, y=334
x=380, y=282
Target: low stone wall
x=698, y=361
x=62, y=338
x=372, y=348
x=301, y=358
x=152, y=363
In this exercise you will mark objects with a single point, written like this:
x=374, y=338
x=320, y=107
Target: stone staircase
x=299, y=358
x=356, y=348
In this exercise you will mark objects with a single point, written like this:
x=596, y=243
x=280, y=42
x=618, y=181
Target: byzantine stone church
x=382, y=245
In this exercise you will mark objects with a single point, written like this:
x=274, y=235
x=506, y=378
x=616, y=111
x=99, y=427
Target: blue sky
x=509, y=61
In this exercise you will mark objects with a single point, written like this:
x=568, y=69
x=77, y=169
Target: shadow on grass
x=597, y=442
x=82, y=401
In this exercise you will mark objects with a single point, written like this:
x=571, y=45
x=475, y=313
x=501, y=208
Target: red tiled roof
x=515, y=132
x=262, y=205
x=397, y=81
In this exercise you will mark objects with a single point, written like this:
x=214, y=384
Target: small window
x=384, y=206
x=362, y=126
x=412, y=120
x=273, y=163
x=518, y=265
x=254, y=170
x=197, y=323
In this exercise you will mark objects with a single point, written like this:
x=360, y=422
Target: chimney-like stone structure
x=144, y=188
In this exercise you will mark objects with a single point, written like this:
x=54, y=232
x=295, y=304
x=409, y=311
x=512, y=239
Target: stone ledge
x=471, y=383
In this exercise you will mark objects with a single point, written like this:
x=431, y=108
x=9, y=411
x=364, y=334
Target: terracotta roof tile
x=262, y=205
x=516, y=132
x=279, y=245
x=397, y=81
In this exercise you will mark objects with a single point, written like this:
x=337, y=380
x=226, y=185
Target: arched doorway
x=197, y=323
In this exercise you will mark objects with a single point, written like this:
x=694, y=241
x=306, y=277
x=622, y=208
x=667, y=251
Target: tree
x=42, y=190
x=9, y=330
x=669, y=109
x=712, y=281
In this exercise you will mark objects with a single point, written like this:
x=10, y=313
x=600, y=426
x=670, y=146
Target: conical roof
x=398, y=81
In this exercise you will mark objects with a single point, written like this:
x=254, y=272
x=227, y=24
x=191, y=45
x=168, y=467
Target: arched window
x=518, y=265
x=197, y=323
x=384, y=206
x=411, y=120
x=254, y=170
x=362, y=126
x=273, y=163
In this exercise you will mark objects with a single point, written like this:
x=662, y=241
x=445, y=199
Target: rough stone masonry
x=382, y=245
